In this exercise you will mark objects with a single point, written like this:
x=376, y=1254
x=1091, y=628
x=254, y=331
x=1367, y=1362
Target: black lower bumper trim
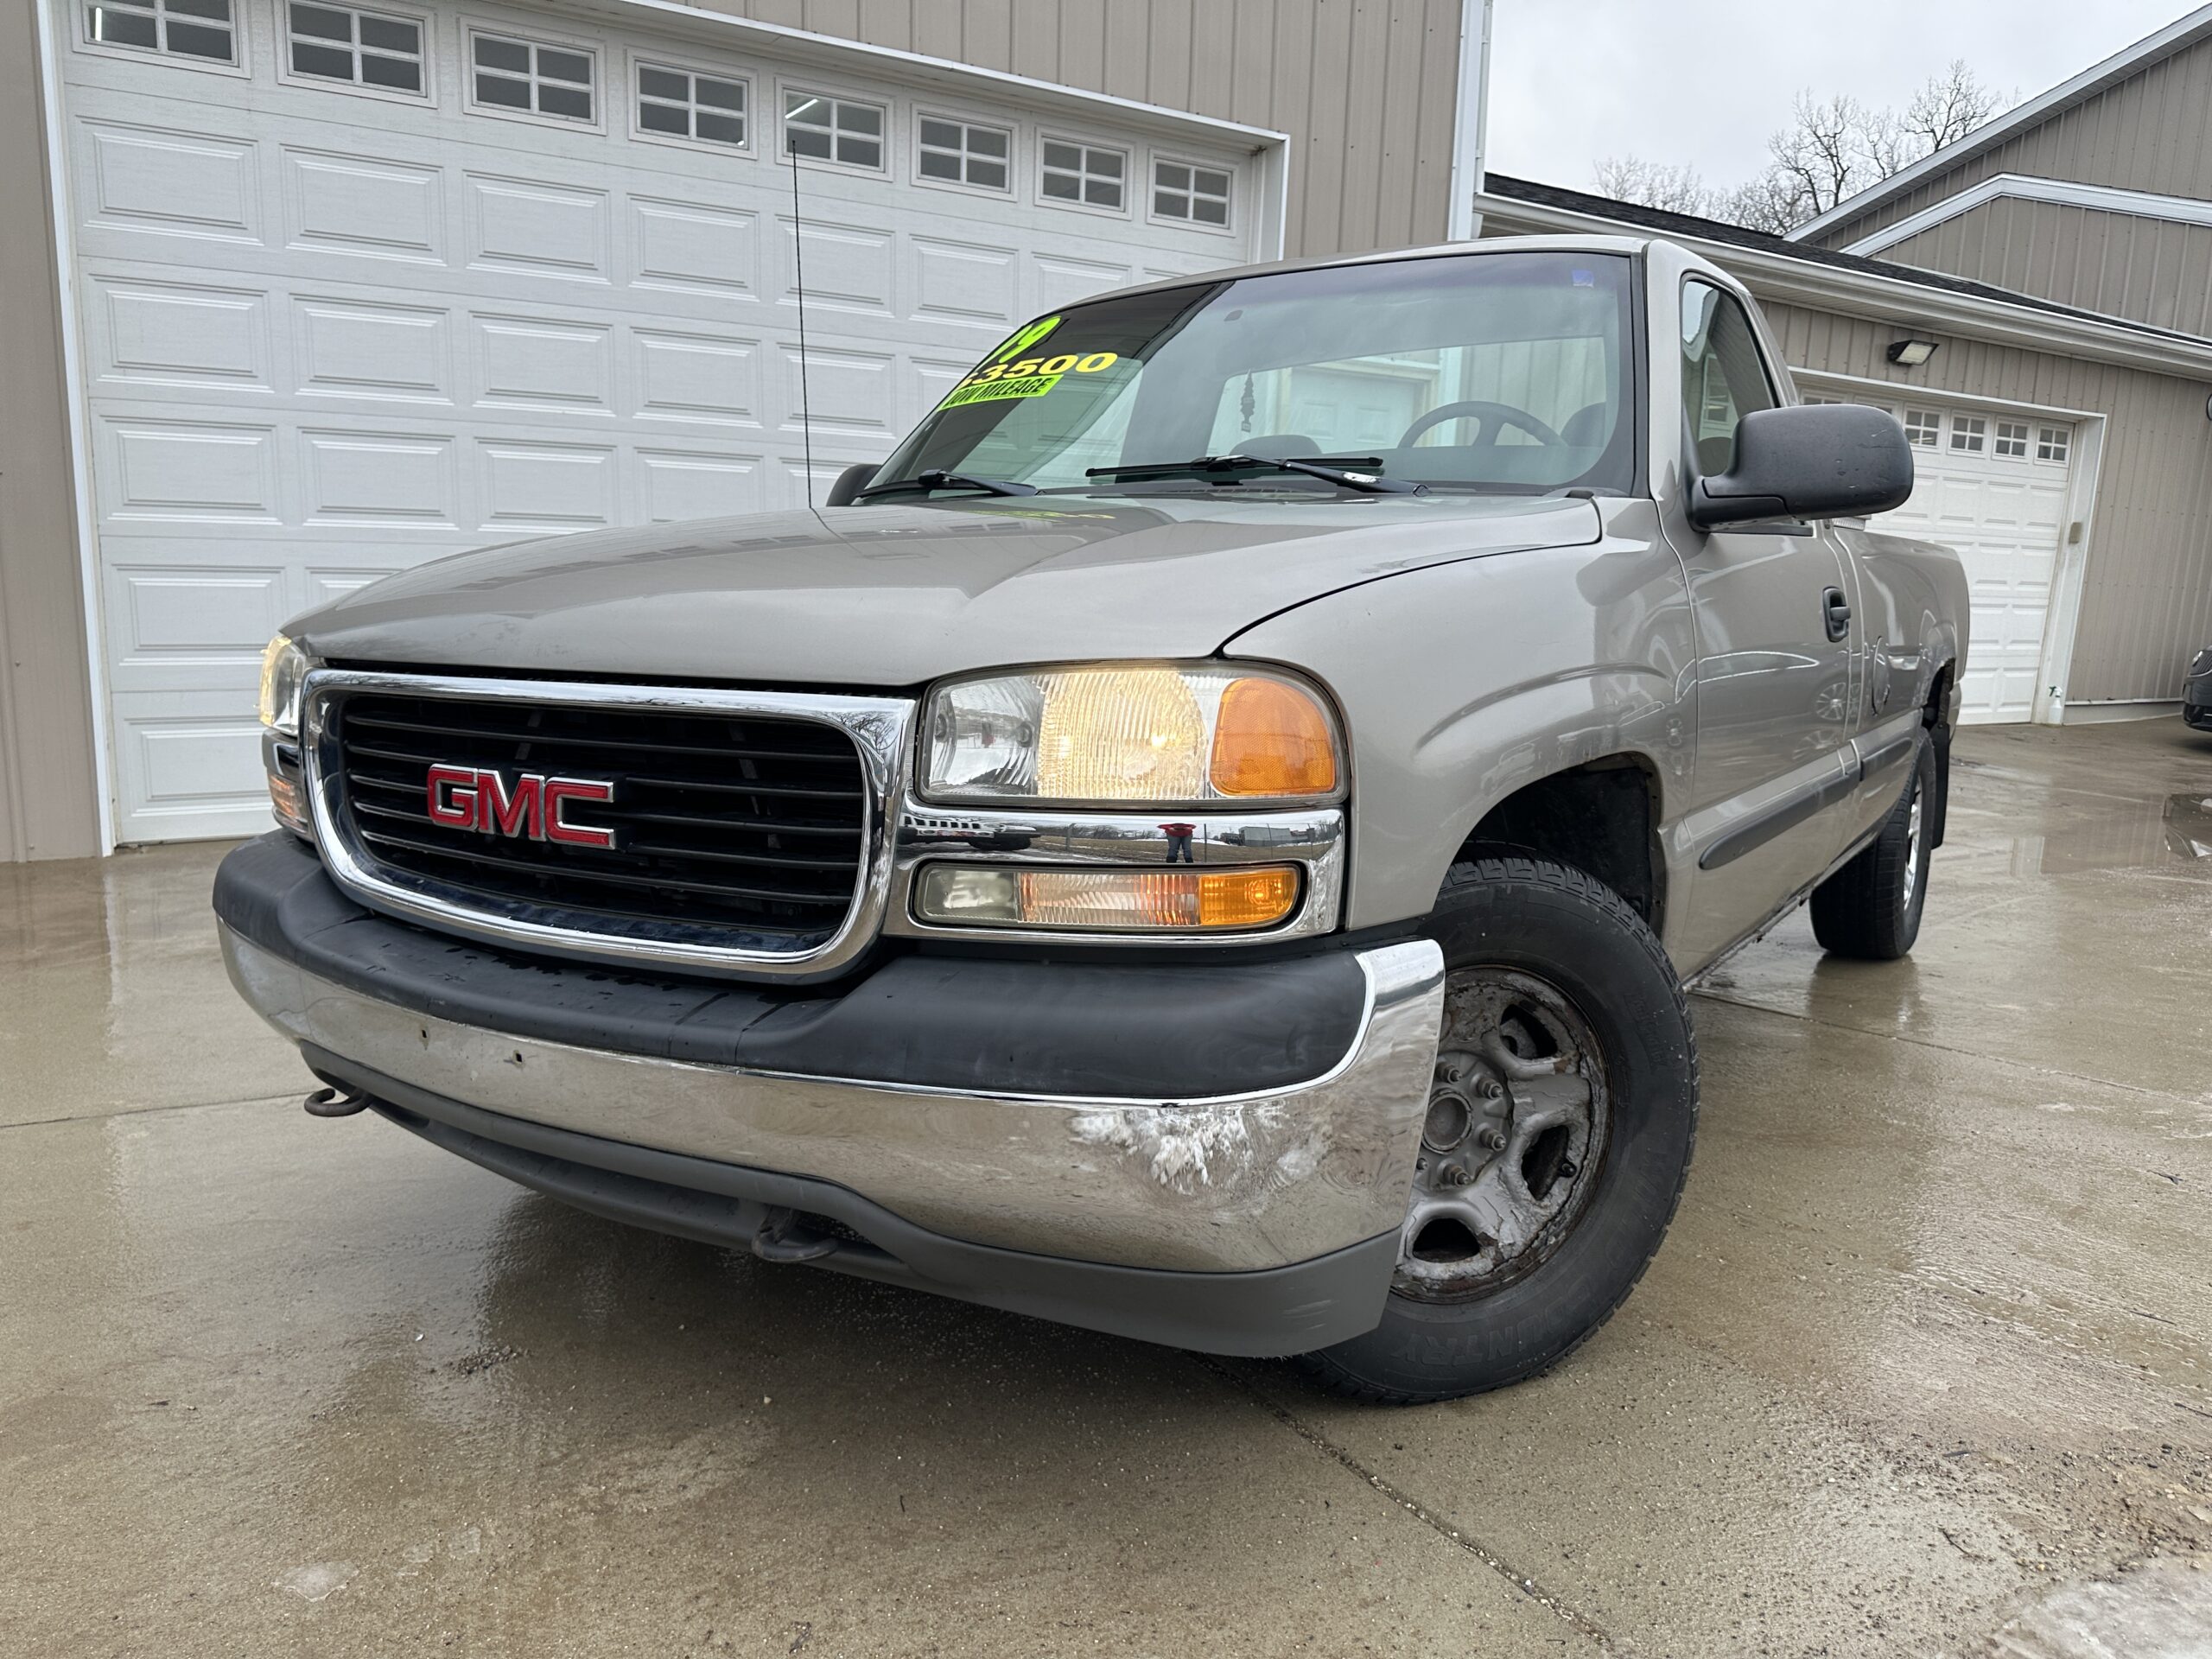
x=1286, y=1310
x=1058, y=1026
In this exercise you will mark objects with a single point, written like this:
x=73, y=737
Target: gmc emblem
x=467, y=797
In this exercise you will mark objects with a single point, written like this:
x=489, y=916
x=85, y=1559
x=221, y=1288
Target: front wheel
x=1561, y=1122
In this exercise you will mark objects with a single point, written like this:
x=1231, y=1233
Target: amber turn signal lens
x=1120, y=901
x=1246, y=897
x=285, y=798
x=1270, y=740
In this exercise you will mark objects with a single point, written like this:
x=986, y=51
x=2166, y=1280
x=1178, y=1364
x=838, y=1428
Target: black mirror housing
x=850, y=482
x=1814, y=460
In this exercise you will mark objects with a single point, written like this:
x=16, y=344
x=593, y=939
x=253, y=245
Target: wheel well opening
x=1935, y=715
x=1601, y=818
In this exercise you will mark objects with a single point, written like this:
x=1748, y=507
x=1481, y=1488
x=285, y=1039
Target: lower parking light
x=1113, y=901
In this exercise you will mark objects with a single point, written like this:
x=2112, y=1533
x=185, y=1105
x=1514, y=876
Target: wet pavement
x=1923, y=1367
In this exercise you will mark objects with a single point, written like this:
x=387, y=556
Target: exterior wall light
x=1911, y=353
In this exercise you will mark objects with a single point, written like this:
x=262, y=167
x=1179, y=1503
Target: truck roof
x=1617, y=244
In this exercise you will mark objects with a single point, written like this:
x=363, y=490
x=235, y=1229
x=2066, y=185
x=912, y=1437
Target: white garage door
x=1993, y=485
x=358, y=287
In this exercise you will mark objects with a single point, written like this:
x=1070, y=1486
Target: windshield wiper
x=937, y=477
x=1336, y=469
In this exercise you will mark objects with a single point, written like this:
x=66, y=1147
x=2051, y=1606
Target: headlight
x=2200, y=663
x=283, y=671
x=1116, y=734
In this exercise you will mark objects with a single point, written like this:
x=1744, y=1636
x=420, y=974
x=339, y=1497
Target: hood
x=897, y=595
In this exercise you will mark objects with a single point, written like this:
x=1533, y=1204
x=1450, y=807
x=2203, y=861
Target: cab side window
x=1723, y=378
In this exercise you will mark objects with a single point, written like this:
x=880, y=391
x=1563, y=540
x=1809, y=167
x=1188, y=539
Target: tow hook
x=783, y=1237
x=334, y=1103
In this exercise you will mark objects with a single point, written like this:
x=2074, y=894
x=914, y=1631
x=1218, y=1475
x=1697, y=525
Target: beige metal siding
x=2146, y=601
x=1366, y=89
x=2121, y=265
x=48, y=802
x=2151, y=132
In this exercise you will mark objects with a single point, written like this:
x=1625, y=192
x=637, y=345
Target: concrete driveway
x=1924, y=1359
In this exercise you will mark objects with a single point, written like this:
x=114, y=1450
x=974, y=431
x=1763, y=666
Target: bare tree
x=1836, y=147
x=1832, y=148
x=1771, y=202
x=1673, y=189
x=1824, y=152
x=1951, y=105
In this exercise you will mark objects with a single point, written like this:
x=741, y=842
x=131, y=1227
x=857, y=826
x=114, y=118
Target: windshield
x=1492, y=372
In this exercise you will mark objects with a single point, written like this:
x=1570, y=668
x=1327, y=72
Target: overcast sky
x=1704, y=81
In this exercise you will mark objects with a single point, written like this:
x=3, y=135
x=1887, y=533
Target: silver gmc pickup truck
x=1205, y=842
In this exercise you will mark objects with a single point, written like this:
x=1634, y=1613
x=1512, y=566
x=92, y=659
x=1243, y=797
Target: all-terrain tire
x=1871, y=907
x=1536, y=917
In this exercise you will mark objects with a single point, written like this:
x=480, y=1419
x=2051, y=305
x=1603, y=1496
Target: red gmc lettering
x=510, y=815
x=453, y=797
x=559, y=791
x=470, y=798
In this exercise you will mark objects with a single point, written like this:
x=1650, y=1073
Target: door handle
x=1835, y=611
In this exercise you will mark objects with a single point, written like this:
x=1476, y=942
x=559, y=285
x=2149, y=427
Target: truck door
x=1772, y=608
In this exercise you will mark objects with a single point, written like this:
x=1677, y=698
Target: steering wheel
x=1495, y=417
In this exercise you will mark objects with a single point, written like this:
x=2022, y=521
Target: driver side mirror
x=1816, y=461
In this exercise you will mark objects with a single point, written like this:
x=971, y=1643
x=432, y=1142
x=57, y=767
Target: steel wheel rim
x=1912, y=850
x=1518, y=1125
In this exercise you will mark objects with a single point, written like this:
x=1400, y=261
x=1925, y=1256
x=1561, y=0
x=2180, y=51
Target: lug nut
x=1494, y=1139
x=1492, y=1088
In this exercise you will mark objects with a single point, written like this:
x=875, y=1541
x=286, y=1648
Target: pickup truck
x=1205, y=842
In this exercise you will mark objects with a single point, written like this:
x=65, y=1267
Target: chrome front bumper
x=1222, y=1184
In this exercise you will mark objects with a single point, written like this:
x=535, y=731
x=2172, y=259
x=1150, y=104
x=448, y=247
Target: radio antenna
x=798, y=260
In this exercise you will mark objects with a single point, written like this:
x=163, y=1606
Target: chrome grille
x=752, y=825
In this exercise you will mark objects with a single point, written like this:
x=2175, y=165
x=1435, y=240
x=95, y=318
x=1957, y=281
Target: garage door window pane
x=333, y=43
x=2012, y=439
x=512, y=74
x=186, y=28
x=125, y=23
x=565, y=67
x=1082, y=173
x=328, y=62
x=320, y=24
x=395, y=73
x=509, y=55
x=571, y=103
x=197, y=41
x=713, y=94
x=391, y=34
x=2052, y=442
x=497, y=89
x=1186, y=191
x=834, y=129
x=1920, y=428
x=1968, y=434
x=687, y=105
x=961, y=154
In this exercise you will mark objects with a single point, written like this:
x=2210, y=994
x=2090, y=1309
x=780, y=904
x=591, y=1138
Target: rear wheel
x=1560, y=1120
x=1871, y=907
